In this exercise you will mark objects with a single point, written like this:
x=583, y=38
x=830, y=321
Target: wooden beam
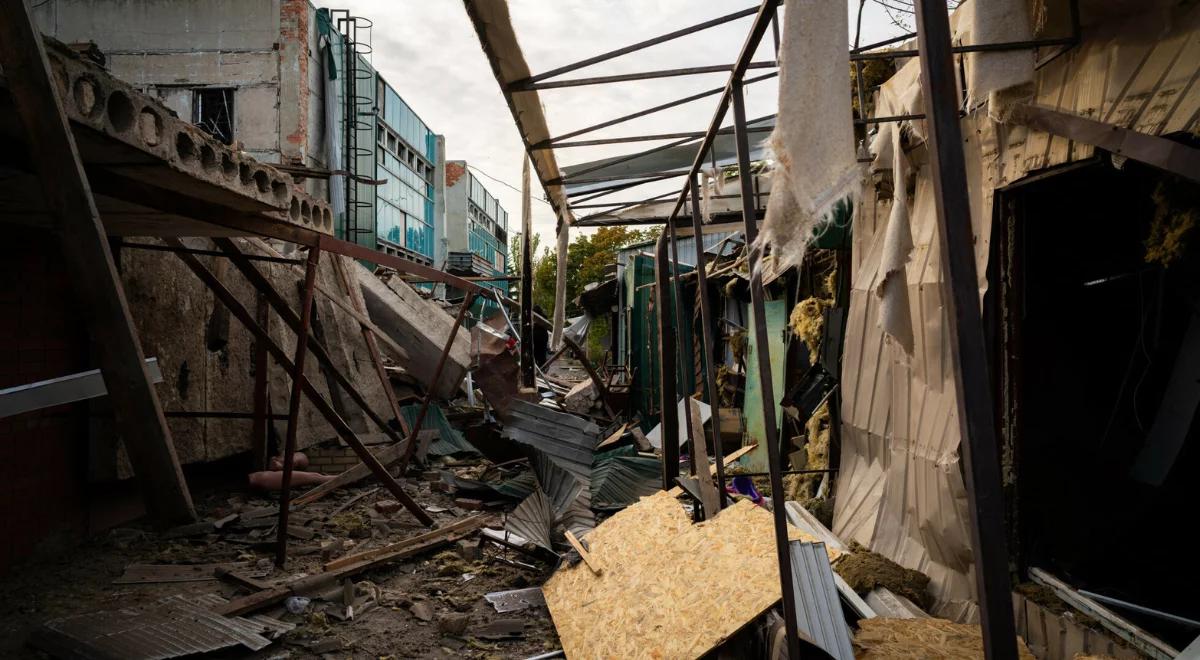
x=1174, y=157
x=968, y=350
x=135, y=403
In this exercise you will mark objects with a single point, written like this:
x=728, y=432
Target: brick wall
x=43, y=454
x=294, y=26
x=454, y=171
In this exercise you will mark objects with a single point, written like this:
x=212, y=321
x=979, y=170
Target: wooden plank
x=677, y=491
x=709, y=498
x=139, y=415
x=463, y=527
x=583, y=553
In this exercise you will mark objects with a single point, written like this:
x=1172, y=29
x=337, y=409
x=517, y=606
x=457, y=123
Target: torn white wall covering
x=900, y=491
x=892, y=289
x=814, y=134
x=998, y=78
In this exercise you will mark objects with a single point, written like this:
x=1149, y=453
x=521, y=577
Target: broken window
x=212, y=111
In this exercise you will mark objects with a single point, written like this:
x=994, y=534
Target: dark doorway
x=1088, y=333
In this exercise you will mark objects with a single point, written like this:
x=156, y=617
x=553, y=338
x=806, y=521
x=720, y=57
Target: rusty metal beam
x=323, y=407
x=968, y=349
x=289, y=448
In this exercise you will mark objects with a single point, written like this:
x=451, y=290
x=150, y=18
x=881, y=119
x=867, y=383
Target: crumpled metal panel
x=173, y=627
x=450, y=441
x=818, y=607
x=621, y=477
x=568, y=440
x=533, y=519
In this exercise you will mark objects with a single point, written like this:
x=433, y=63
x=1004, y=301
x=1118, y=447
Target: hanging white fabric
x=1000, y=78
x=815, y=166
x=895, y=315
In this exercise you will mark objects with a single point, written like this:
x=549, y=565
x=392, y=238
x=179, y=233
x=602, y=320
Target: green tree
x=590, y=258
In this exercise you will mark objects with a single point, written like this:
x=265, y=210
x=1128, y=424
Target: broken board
x=653, y=561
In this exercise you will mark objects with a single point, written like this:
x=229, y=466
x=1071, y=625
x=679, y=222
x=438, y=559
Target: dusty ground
x=81, y=581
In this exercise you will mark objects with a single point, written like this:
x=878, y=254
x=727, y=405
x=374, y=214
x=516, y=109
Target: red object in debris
x=299, y=462
x=387, y=506
x=273, y=480
x=511, y=344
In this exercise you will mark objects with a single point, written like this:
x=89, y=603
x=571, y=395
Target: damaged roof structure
x=907, y=371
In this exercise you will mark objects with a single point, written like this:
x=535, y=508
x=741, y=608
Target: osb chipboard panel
x=658, y=573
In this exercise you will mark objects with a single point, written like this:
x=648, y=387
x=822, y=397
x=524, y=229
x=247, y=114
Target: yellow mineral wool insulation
x=922, y=639
x=1174, y=219
x=895, y=316
x=813, y=141
x=652, y=565
x=807, y=321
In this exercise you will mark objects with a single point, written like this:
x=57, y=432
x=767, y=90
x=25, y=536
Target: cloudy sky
x=428, y=51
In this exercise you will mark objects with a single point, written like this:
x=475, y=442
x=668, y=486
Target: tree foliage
x=590, y=258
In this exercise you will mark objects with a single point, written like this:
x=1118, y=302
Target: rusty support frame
x=323, y=407
x=258, y=432
x=762, y=354
x=667, y=396
x=677, y=294
x=437, y=375
x=968, y=350
x=714, y=397
x=277, y=302
x=68, y=196
x=289, y=448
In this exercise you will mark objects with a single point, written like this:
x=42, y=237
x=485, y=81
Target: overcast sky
x=428, y=51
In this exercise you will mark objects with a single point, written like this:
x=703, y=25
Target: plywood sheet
x=657, y=571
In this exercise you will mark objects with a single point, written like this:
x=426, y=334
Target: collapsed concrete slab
x=421, y=327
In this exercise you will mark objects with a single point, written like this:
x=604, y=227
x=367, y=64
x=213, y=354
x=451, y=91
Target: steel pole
x=714, y=398
x=289, y=452
x=968, y=352
x=762, y=353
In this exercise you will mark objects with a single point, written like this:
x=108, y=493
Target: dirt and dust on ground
x=431, y=605
x=864, y=570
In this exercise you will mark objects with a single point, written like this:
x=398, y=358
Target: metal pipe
x=677, y=291
x=546, y=144
x=687, y=135
x=437, y=375
x=1166, y=616
x=970, y=48
x=691, y=29
x=258, y=432
x=762, y=353
x=207, y=253
x=968, y=351
x=706, y=339
x=641, y=75
x=289, y=452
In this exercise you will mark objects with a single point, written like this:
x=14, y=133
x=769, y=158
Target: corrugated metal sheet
x=533, y=519
x=570, y=496
x=818, y=608
x=172, y=627
x=621, y=476
x=450, y=441
x=568, y=440
x=900, y=491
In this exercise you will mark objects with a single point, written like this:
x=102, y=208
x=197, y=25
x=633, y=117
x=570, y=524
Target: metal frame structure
x=68, y=190
x=935, y=52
